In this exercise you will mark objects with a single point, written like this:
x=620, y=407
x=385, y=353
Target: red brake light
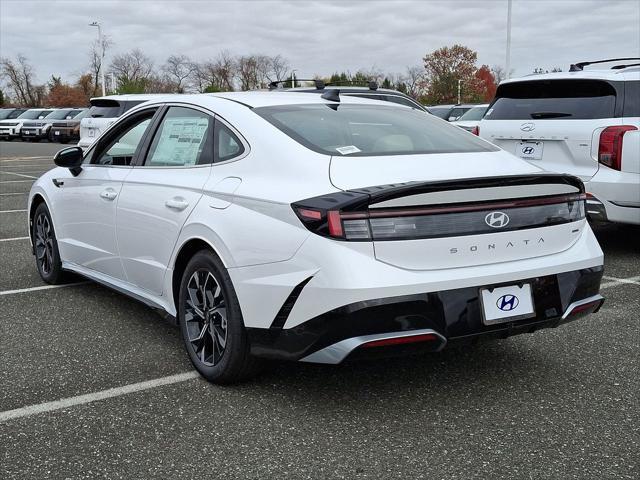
x=310, y=214
x=335, y=223
x=476, y=130
x=610, y=147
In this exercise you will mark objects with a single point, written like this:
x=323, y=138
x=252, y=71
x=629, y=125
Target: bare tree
x=132, y=69
x=178, y=69
x=95, y=60
x=415, y=81
x=20, y=78
x=279, y=68
x=216, y=75
x=248, y=71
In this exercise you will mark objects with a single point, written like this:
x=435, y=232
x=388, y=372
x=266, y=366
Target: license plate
x=529, y=150
x=56, y=132
x=27, y=132
x=505, y=304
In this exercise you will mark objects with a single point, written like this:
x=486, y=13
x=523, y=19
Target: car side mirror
x=70, y=158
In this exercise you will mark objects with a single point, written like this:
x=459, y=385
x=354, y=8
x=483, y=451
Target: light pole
x=508, y=62
x=459, y=85
x=293, y=78
x=101, y=43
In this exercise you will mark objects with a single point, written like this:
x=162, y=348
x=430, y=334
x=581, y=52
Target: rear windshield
x=105, y=112
x=363, y=130
x=553, y=99
x=476, y=113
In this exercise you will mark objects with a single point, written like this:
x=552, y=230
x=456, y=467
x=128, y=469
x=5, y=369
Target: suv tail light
x=476, y=130
x=610, y=147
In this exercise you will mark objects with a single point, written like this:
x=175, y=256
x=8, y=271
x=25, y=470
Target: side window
x=402, y=101
x=227, y=143
x=631, y=99
x=184, y=138
x=455, y=114
x=121, y=149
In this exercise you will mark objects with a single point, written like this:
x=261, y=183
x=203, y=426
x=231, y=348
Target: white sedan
x=315, y=228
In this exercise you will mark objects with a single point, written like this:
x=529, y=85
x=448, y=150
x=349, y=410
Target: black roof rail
x=620, y=67
x=371, y=85
x=578, y=67
x=318, y=83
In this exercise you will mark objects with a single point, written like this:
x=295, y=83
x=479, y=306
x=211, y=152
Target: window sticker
x=180, y=141
x=348, y=149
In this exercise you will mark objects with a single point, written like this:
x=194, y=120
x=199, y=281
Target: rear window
x=363, y=130
x=476, y=113
x=555, y=99
x=105, y=112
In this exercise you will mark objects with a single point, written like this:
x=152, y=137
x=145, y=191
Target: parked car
x=371, y=91
x=450, y=113
x=315, y=228
x=67, y=130
x=104, y=111
x=10, y=128
x=36, y=130
x=470, y=120
x=583, y=122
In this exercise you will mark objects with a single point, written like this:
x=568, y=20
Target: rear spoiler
x=361, y=198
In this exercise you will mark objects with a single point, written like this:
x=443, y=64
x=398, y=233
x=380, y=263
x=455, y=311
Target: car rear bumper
x=425, y=321
x=615, y=196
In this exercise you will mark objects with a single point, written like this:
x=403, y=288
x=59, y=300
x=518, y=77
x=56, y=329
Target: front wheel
x=211, y=322
x=45, y=246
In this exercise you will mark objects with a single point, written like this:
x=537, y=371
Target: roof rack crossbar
x=372, y=85
x=577, y=67
x=281, y=83
x=620, y=67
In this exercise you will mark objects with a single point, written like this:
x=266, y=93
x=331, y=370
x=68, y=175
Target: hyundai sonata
x=315, y=228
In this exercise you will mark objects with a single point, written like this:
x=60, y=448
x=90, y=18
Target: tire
x=45, y=246
x=211, y=322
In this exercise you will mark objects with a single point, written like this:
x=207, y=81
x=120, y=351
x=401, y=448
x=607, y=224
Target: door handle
x=108, y=194
x=176, y=204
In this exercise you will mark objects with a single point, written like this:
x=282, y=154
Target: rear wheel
x=45, y=246
x=211, y=322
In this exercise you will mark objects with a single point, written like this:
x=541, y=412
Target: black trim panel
x=283, y=314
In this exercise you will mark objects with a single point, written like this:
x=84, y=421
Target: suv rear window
x=363, y=130
x=553, y=99
x=105, y=112
x=631, y=99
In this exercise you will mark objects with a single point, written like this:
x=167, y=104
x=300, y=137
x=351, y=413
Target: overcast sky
x=324, y=36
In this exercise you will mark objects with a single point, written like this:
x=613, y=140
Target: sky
x=321, y=37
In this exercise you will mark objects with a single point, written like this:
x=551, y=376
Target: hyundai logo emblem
x=528, y=150
x=496, y=219
x=528, y=127
x=508, y=302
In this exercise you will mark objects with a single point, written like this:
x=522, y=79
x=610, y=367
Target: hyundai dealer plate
x=529, y=150
x=57, y=132
x=505, y=304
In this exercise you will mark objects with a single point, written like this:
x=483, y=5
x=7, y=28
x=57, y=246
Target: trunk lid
x=553, y=123
x=424, y=221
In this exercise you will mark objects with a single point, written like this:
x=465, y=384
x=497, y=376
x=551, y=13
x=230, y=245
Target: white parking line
x=16, y=193
x=43, y=287
x=17, y=159
x=16, y=181
x=11, y=211
x=620, y=281
x=13, y=239
x=95, y=396
x=19, y=174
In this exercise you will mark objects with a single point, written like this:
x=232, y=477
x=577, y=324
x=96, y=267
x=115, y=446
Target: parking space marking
x=95, y=396
x=17, y=159
x=16, y=193
x=12, y=211
x=19, y=174
x=13, y=239
x=620, y=281
x=42, y=287
x=16, y=181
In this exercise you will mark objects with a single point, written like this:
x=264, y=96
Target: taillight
x=610, y=147
x=476, y=130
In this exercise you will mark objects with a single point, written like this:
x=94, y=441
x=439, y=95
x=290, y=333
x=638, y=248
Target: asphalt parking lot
x=93, y=384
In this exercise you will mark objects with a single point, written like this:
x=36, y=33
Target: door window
x=121, y=148
x=184, y=138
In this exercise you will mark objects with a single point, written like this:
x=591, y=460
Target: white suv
x=584, y=122
x=103, y=112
